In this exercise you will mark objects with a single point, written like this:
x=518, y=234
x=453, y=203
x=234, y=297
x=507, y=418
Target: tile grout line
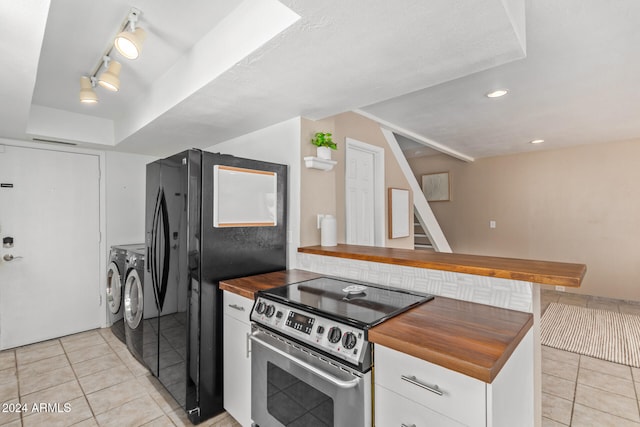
x=636, y=388
x=84, y=395
x=15, y=362
x=575, y=391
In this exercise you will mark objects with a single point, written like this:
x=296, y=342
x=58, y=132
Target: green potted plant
x=324, y=143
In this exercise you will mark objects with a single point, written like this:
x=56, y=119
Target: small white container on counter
x=328, y=231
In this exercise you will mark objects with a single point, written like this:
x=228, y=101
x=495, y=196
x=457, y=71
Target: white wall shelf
x=312, y=162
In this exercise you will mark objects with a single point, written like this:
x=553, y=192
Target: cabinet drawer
x=453, y=394
x=393, y=410
x=236, y=306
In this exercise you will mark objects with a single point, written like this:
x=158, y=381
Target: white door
x=364, y=194
x=49, y=204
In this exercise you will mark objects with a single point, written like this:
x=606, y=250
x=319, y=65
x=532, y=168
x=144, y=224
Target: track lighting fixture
x=110, y=79
x=128, y=42
x=87, y=94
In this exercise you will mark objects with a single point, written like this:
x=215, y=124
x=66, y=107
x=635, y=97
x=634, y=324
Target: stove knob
x=320, y=330
x=349, y=340
x=334, y=334
x=260, y=307
x=279, y=315
x=270, y=310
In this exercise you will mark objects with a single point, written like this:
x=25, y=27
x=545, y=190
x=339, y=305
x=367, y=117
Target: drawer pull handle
x=237, y=307
x=412, y=380
x=407, y=425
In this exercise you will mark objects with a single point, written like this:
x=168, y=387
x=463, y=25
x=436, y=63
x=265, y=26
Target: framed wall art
x=399, y=215
x=435, y=187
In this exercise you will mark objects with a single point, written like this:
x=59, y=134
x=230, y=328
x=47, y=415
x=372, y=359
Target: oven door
x=292, y=386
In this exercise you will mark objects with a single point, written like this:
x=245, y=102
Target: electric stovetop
x=360, y=303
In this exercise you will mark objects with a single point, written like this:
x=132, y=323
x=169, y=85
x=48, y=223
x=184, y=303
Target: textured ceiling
x=211, y=71
x=577, y=85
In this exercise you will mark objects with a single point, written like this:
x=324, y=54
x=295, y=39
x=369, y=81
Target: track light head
x=110, y=79
x=87, y=94
x=129, y=43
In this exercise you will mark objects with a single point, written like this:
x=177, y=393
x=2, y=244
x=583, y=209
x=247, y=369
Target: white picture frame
x=399, y=213
x=244, y=197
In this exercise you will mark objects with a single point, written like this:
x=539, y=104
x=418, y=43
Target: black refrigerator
x=209, y=217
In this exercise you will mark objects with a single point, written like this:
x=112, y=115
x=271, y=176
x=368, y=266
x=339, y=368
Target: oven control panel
x=339, y=339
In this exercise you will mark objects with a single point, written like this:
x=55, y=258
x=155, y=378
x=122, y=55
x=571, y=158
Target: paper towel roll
x=328, y=231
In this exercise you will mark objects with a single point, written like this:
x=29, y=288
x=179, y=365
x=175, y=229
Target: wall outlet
x=492, y=224
x=560, y=288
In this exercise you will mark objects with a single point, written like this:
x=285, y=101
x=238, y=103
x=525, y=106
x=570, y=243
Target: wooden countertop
x=469, y=338
x=248, y=286
x=543, y=272
x=473, y=339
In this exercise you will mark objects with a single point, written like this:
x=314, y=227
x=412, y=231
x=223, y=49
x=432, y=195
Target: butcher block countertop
x=543, y=272
x=248, y=286
x=473, y=339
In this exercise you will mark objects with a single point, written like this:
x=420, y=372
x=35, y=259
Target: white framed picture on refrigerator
x=244, y=197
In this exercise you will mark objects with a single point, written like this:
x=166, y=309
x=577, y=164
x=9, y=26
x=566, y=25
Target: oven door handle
x=325, y=375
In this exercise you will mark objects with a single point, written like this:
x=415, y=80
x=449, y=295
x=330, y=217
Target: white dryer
x=134, y=300
x=116, y=275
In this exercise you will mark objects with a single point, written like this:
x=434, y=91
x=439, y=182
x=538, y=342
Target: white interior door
x=49, y=204
x=364, y=189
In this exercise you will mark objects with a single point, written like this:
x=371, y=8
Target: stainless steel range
x=311, y=359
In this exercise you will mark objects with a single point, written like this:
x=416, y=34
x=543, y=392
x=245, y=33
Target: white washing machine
x=133, y=301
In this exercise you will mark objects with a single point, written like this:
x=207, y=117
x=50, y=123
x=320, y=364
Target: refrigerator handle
x=164, y=276
x=152, y=246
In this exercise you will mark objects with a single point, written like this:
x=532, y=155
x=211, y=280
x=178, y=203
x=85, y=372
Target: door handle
x=9, y=257
x=304, y=365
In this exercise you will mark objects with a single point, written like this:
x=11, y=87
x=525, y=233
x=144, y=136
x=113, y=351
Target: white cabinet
x=413, y=392
x=395, y=410
x=439, y=396
x=237, y=358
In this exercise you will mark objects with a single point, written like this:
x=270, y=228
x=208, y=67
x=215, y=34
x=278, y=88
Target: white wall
x=125, y=197
x=279, y=143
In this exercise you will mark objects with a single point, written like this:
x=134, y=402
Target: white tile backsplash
x=504, y=293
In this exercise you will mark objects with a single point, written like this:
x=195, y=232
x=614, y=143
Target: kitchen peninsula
x=462, y=346
x=473, y=339
x=488, y=347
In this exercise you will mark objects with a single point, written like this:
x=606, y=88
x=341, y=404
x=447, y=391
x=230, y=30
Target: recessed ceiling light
x=497, y=93
x=536, y=141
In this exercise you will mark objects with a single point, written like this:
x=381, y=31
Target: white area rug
x=601, y=334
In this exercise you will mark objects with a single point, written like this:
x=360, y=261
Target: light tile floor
x=583, y=391
x=104, y=385
x=94, y=374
